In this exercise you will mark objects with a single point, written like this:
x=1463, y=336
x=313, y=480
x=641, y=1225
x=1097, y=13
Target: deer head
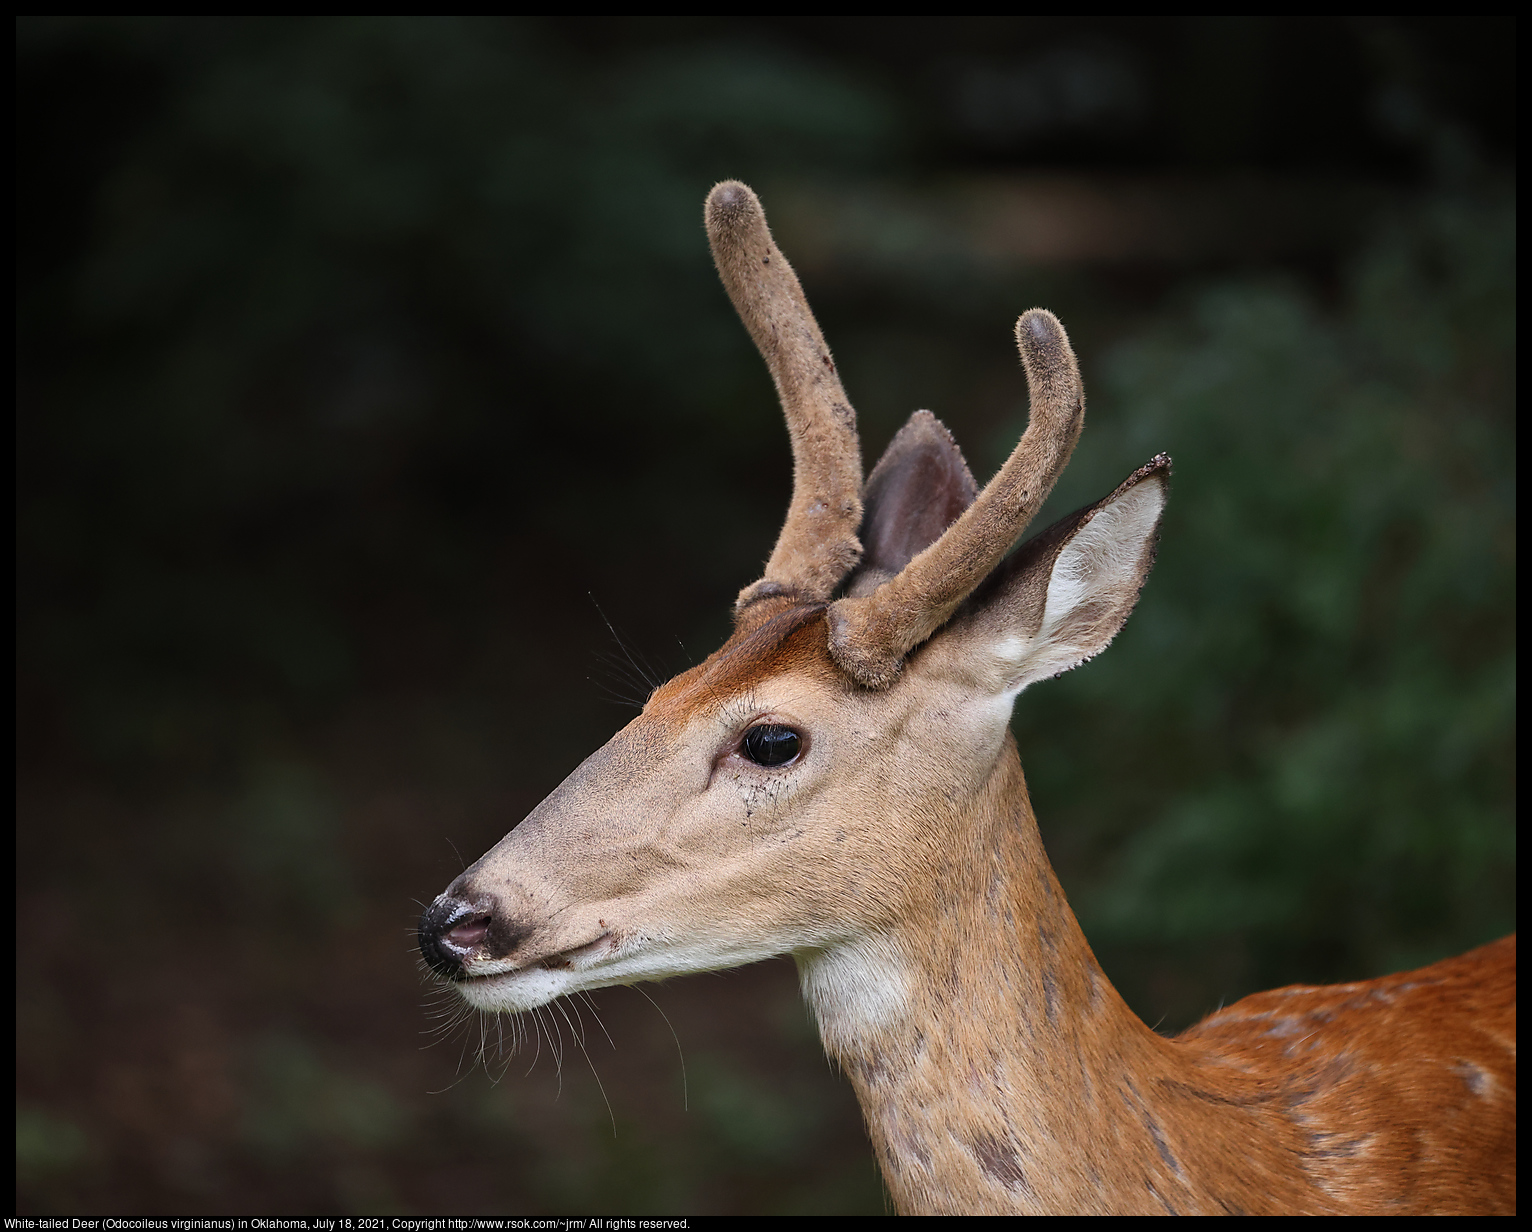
x=800, y=790
x=838, y=782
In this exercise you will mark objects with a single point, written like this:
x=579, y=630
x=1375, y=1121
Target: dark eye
x=770, y=745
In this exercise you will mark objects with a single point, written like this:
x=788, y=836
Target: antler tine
x=870, y=635
x=818, y=544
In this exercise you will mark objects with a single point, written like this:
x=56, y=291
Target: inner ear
x=920, y=486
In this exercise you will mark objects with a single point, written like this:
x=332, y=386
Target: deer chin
x=514, y=991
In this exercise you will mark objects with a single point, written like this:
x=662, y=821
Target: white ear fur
x=1092, y=587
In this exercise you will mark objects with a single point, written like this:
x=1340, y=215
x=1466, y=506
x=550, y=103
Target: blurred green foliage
x=354, y=353
x=297, y=1100
x=47, y=1144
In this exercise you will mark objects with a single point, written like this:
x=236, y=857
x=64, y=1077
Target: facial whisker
x=685, y=1091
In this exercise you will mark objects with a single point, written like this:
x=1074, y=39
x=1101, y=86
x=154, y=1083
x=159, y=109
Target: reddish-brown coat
x=1404, y=1086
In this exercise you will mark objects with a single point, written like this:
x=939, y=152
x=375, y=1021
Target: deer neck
x=997, y=1067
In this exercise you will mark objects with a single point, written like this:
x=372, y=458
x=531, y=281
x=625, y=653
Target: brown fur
x=773, y=638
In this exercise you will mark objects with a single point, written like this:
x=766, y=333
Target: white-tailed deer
x=839, y=783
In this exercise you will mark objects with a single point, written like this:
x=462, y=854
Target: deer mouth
x=508, y=988
x=559, y=960
x=563, y=959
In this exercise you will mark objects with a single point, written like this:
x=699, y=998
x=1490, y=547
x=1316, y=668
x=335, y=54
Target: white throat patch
x=857, y=990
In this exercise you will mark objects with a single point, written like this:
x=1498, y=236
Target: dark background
x=363, y=365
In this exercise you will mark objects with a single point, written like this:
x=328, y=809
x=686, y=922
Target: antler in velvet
x=871, y=634
x=818, y=544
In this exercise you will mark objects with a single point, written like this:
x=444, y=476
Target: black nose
x=449, y=931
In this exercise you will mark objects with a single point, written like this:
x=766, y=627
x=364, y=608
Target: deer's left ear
x=1061, y=598
x=920, y=486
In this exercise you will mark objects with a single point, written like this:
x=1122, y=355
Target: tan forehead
x=792, y=641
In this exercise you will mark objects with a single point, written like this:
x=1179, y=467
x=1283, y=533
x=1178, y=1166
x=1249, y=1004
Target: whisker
x=537, y=1026
x=644, y=669
x=576, y=1027
x=599, y=1086
x=685, y=1091
x=596, y=1014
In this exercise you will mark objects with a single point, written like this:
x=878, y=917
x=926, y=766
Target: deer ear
x=920, y=486
x=1062, y=597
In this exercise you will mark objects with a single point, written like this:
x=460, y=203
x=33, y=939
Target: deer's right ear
x=1061, y=598
x=920, y=486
